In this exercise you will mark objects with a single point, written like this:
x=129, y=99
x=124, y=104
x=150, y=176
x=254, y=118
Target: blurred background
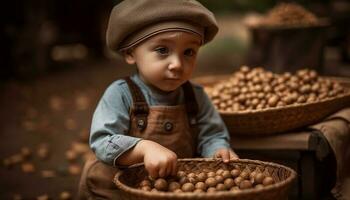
x=55, y=66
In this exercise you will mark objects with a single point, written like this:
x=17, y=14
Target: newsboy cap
x=133, y=21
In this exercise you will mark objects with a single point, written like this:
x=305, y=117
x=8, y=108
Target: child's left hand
x=226, y=154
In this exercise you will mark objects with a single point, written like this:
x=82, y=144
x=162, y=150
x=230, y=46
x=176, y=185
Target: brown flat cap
x=133, y=21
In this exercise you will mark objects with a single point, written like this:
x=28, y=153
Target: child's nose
x=175, y=63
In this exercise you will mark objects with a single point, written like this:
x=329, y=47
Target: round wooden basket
x=127, y=180
x=281, y=119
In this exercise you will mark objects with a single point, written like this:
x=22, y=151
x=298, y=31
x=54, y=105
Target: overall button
x=168, y=126
x=140, y=123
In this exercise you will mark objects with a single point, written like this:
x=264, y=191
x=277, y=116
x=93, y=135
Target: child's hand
x=159, y=161
x=226, y=154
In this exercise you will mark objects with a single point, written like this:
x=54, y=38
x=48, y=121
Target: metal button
x=140, y=123
x=168, y=126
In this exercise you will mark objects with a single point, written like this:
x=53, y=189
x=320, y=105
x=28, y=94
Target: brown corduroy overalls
x=171, y=126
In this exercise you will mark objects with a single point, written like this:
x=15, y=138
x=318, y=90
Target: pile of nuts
x=257, y=89
x=289, y=14
x=208, y=181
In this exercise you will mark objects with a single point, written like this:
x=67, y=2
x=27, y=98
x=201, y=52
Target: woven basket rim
x=341, y=80
x=192, y=195
x=287, y=107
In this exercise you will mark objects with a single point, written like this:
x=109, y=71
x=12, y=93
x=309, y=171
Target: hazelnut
x=201, y=176
x=226, y=174
x=146, y=188
x=260, y=106
x=43, y=151
x=181, y=174
x=211, y=182
x=219, y=171
x=161, y=184
x=313, y=74
x=259, y=178
x=305, y=89
x=245, y=69
x=219, y=179
x=187, y=187
x=267, y=89
x=268, y=181
x=272, y=101
x=201, y=185
x=315, y=87
x=28, y=167
x=48, y=173
x=288, y=99
x=311, y=99
x=211, y=189
x=145, y=182
x=238, y=180
x=74, y=169
x=178, y=191
x=15, y=159
x=43, y=197
x=280, y=103
x=220, y=187
x=245, y=184
x=229, y=182
x=191, y=175
x=235, y=172
x=235, y=189
x=198, y=191
x=211, y=174
x=71, y=155
x=26, y=152
x=301, y=99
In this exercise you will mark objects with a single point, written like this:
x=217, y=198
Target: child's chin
x=168, y=88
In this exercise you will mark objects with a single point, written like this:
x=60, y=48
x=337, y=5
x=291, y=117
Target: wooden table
x=307, y=152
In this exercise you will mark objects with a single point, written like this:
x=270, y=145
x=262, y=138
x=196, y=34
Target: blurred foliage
x=233, y=6
x=241, y=6
x=225, y=45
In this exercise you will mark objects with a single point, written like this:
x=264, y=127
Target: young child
x=155, y=116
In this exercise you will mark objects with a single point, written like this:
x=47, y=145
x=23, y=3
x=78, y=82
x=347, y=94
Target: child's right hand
x=159, y=161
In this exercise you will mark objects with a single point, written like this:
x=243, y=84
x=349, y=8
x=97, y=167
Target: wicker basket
x=280, y=119
x=283, y=176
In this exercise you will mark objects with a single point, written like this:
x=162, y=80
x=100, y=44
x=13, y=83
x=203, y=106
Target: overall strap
x=140, y=107
x=192, y=110
x=190, y=102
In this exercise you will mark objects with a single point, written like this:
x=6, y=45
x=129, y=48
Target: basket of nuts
x=259, y=102
x=288, y=16
x=201, y=178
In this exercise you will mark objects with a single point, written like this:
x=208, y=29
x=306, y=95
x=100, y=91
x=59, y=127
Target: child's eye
x=189, y=52
x=162, y=50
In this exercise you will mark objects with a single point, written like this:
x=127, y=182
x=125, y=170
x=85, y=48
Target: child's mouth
x=173, y=79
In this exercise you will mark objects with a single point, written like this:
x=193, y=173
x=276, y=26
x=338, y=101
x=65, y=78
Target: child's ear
x=129, y=57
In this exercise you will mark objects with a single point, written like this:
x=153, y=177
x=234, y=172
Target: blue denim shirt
x=110, y=124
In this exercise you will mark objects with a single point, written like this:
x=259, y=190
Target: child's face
x=166, y=60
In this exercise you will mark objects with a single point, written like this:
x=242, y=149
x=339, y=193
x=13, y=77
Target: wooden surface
x=289, y=141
